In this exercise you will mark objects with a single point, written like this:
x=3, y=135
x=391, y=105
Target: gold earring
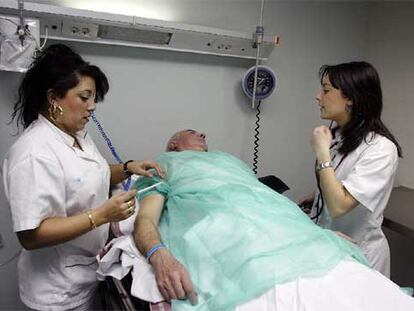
x=53, y=110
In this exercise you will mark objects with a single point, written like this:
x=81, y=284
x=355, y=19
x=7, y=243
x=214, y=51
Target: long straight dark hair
x=360, y=83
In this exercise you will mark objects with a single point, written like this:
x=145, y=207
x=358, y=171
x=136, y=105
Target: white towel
x=120, y=259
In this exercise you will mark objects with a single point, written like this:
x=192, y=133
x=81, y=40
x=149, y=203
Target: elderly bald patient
x=218, y=239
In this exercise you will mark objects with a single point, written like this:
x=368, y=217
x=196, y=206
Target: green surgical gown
x=237, y=237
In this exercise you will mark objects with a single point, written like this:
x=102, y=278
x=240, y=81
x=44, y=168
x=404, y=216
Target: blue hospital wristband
x=153, y=250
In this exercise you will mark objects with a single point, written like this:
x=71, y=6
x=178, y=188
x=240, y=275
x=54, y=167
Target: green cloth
x=237, y=237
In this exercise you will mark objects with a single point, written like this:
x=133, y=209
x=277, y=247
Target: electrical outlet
x=51, y=27
x=79, y=30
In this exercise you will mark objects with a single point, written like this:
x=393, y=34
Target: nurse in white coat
x=356, y=159
x=57, y=183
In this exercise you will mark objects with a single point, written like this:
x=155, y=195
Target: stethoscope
x=320, y=203
x=111, y=147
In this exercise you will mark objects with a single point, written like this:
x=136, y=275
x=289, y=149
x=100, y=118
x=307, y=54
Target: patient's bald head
x=187, y=140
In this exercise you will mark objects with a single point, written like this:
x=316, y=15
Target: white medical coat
x=368, y=174
x=45, y=176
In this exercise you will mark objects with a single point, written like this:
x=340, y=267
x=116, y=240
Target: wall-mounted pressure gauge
x=265, y=85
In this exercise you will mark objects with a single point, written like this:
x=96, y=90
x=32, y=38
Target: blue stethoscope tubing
x=111, y=147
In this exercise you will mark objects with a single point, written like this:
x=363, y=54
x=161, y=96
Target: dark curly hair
x=58, y=69
x=360, y=83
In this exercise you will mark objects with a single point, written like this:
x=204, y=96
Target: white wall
x=8, y=285
x=154, y=93
x=391, y=50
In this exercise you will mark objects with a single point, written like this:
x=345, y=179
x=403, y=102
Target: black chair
x=274, y=183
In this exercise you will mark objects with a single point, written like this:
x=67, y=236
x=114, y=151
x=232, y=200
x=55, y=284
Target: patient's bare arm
x=172, y=277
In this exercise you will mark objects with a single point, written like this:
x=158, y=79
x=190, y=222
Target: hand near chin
x=321, y=141
x=172, y=277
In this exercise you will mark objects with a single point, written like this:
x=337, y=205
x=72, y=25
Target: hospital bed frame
x=115, y=295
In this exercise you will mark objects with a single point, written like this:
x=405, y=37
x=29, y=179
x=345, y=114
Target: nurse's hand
x=117, y=208
x=142, y=167
x=172, y=277
x=321, y=142
x=305, y=203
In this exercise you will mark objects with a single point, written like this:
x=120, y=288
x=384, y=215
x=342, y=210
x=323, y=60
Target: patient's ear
x=172, y=145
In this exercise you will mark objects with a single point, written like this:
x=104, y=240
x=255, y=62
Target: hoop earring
x=53, y=110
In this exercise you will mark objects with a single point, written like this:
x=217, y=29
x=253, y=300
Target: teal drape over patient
x=236, y=236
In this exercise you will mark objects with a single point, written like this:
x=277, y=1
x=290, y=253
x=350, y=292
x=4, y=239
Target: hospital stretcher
x=348, y=286
x=116, y=294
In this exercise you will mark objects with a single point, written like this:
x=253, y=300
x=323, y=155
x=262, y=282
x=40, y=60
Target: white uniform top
x=368, y=174
x=45, y=176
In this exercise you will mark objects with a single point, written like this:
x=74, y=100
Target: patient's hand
x=172, y=277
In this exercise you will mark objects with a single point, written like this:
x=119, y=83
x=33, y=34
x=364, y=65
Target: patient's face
x=191, y=140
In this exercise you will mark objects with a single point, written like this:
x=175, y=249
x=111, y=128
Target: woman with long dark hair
x=57, y=182
x=356, y=159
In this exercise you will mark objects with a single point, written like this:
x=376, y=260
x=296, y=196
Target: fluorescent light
x=124, y=7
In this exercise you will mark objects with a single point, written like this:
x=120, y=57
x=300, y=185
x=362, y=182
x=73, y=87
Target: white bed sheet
x=349, y=286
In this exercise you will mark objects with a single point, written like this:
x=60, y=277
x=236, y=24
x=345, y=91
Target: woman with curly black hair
x=57, y=182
